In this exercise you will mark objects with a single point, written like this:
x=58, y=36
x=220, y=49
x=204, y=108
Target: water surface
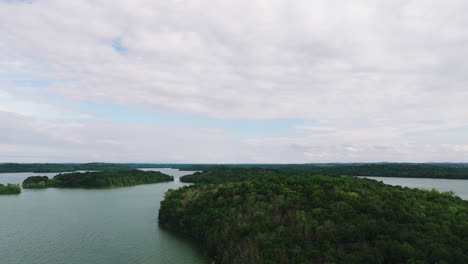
x=112, y=226
x=86, y=226
x=459, y=187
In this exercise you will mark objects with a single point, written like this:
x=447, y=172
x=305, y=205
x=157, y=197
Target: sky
x=245, y=81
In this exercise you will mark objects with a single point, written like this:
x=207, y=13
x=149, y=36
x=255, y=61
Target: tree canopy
x=410, y=170
x=407, y=170
x=98, y=179
x=10, y=189
x=220, y=175
x=319, y=219
x=36, y=182
x=59, y=167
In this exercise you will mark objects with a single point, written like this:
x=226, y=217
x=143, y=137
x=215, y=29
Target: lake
x=111, y=226
x=102, y=226
x=460, y=187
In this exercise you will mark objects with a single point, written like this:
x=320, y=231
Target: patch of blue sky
x=7, y=76
x=20, y=80
x=118, y=46
x=130, y=115
x=245, y=128
x=29, y=83
x=236, y=128
x=460, y=129
x=442, y=135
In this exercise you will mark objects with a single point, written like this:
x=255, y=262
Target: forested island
x=266, y=217
x=10, y=189
x=98, y=179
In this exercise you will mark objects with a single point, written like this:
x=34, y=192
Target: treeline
x=95, y=166
x=396, y=170
x=59, y=167
x=319, y=219
x=220, y=175
x=98, y=179
x=10, y=189
x=407, y=170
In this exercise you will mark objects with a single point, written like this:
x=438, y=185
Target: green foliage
x=319, y=219
x=10, y=189
x=57, y=167
x=229, y=174
x=410, y=170
x=36, y=182
x=396, y=170
x=407, y=170
x=98, y=179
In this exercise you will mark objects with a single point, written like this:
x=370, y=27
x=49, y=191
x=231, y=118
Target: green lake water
x=85, y=226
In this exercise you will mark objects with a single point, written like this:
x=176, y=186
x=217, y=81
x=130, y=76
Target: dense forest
x=10, y=189
x=36, y=182
x=99, y=179
x=220, y=175
x=229, y=174
x=319, y=219
x=407, y=170
x=396, y=170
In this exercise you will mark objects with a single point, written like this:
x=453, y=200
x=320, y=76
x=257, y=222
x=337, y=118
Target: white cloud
x=27, y=104
x=23, y=138
x=370, y=70
x=321, y=59
x=460, y=148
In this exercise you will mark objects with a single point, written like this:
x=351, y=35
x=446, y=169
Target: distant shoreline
x=399, y=170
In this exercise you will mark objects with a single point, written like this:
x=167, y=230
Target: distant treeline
x=409, y=170
x=100, y=179
x=304, y=166
x=58, y=167
x=68, y=167
x=10, y=189
x=260, y=216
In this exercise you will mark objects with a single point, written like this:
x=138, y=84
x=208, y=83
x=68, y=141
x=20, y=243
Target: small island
x=267, y=217
x=10, y=189
x=36, y=182
x=98, y=179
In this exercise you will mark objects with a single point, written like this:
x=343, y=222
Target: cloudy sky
x=233, y=81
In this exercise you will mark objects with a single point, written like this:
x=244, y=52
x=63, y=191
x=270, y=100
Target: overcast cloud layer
x=362, y=80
